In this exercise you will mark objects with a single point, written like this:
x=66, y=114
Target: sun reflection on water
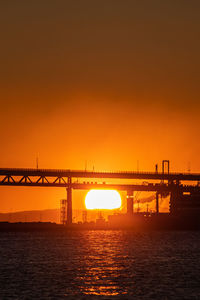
x=103, y=266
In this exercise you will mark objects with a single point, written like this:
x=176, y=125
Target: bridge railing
x=91, y=171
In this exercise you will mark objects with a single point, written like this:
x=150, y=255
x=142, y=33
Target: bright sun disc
x=102, y=199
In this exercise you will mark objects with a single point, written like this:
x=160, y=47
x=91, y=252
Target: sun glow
x=102, y=199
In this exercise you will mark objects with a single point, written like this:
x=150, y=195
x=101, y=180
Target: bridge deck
x=102, y=174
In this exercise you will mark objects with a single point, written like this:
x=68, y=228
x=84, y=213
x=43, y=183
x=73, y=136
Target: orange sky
x=110, y=82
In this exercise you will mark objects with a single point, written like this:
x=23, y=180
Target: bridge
x=164, y=183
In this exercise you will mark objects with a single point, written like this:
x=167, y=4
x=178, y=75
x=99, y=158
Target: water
x=100, y=264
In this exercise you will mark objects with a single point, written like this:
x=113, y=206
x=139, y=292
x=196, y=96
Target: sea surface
x=100, y=265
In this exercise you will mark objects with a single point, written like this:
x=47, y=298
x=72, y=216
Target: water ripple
x=100, y=264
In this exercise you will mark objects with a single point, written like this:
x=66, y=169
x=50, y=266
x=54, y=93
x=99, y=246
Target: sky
x=111, y=83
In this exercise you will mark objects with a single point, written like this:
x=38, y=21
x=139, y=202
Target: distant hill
x=47, y=215
x=51, y=215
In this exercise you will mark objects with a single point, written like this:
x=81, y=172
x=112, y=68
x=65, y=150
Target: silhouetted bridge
x=163, y=183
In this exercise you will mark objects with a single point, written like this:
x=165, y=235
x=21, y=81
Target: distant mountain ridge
x=51, y=215
x=47, y=215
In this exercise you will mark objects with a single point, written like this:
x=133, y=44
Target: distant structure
x=165, y=165
x=63, y=211
x=84, y=216
x=185, y=204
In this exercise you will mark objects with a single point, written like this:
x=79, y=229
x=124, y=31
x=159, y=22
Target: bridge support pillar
x=174, y=204
x=69, y=201
x=129, y=202
x=157, y=203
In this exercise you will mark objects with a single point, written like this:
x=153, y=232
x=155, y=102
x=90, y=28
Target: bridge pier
x=69, y=201
x=129, y=202
x=157, y=203
x=174, y=204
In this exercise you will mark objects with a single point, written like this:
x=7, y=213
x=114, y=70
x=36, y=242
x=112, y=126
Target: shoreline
x=145, y=226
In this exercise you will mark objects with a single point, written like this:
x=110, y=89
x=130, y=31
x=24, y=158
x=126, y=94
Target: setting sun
x=102, y=199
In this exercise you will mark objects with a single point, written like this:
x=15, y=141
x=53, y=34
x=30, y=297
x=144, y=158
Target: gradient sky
x=110, y=82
